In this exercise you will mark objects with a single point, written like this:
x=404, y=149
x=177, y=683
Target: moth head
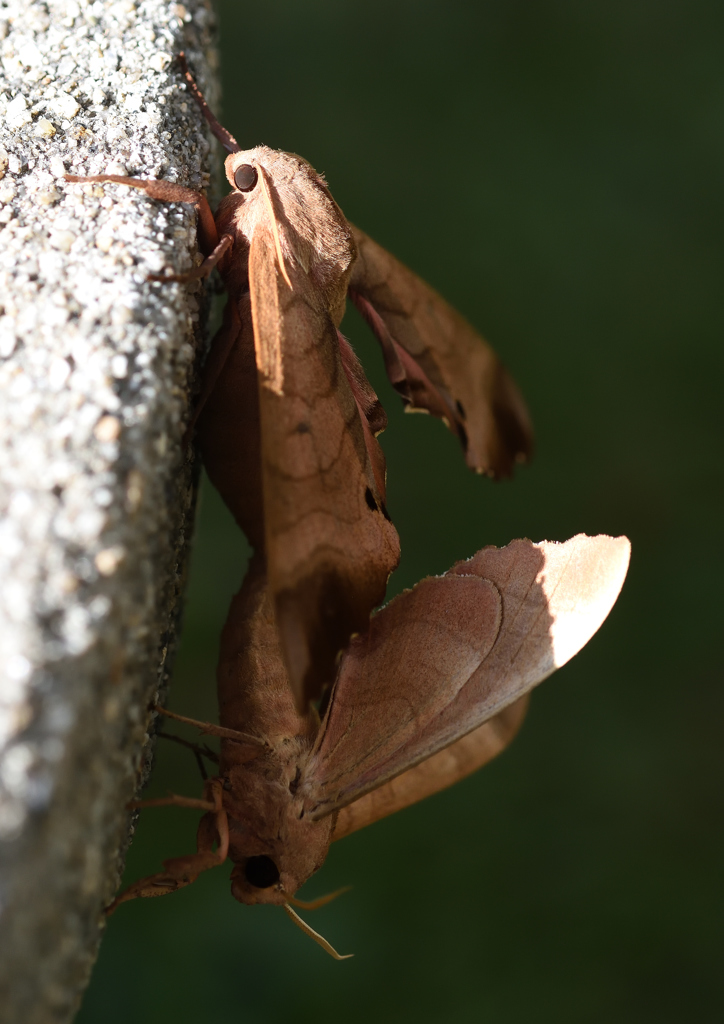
x=270, y=869
x=282, y=169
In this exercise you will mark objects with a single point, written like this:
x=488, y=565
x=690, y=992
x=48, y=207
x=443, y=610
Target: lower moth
x=332, y=717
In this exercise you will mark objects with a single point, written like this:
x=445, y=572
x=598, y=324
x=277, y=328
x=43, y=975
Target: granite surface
x=96, y=492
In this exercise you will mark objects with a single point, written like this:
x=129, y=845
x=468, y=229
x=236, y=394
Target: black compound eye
x=245, y=177
x=261, y=872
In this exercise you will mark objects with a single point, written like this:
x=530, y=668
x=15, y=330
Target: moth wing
x=552, y=599
x=461, y=758
x=439, y=363
x=329, y=544
x=228, y=409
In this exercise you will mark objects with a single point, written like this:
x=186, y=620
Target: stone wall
x=96, y=493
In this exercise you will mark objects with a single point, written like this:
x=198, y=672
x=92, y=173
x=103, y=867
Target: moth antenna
x=319, y=939
x=275, y=227
x=225, y=137
x=322, y=901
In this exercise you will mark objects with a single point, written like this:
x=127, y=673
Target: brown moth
x=435, y=684
x=289, y=258
x=434, y=689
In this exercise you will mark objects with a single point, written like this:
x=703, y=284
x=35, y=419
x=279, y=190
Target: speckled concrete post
x=96, y=496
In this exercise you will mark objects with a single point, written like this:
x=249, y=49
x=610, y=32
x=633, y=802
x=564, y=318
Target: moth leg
x=225, y=243
x=168, y=192
x=182, y=871
x=199, y=752
x=172, y=800
x=214, y=730
x=225, y=137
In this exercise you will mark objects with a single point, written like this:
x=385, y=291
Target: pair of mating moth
x=316, y=744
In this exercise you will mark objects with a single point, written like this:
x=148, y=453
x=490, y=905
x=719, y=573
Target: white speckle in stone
x=121, y=314
x=134, y=490
x=44, y=128
x=180, y=12
x=20, y=120
x=21, y=385
x=18, y=667
x=108, y=428
x=103, y=497
x=8, y=338
x=99, y=607
x=61, y=471
x=155, y=261
x=47, y=197
x=104, y=241
x=58, y=374
x=65, y=106
x=108, y=560
x=21, y=504
x=15, y=107
x=76, y=629
x=132, y=101
x=159, y=61
x=119, y=366
x=89, y=524
x=30, y=55
x=15, y=767
x=68, y=583
x=62, y=240
x=57, y=166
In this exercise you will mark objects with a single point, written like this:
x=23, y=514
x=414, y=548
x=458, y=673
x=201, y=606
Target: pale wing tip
x=581, y=579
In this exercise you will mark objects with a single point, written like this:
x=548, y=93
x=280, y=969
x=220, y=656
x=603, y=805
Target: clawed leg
x=181, y=871
x=199, y=752
x=172, y=800
x=215, y=730
x=225, y=243
x=169, y=192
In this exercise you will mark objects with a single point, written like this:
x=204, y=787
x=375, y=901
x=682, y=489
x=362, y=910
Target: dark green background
x=555, y=169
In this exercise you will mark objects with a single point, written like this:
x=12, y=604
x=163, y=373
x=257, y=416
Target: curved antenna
x=321, y=901
x=225, y=137
x=319, y=939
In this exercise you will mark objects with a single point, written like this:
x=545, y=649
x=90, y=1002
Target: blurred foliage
x=555, y=169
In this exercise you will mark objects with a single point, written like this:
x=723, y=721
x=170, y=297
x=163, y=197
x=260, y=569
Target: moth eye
x=261, y=872
x=245, y=177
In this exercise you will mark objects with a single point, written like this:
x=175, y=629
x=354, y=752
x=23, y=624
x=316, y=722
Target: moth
x=332, y=717
x=434, y=689
x=289, y=259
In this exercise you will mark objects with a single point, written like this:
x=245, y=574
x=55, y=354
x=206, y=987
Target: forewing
x=228, y=421
x=553, y=599
x=439, y=363
x=396, y=679
x=330, y=546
